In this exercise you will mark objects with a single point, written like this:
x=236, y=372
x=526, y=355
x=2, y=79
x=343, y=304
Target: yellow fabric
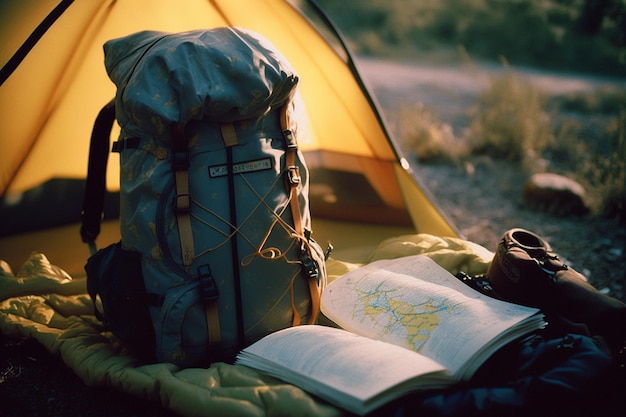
x=48, y=105
x=60, y=318
x=54, y=115
x=452, y=254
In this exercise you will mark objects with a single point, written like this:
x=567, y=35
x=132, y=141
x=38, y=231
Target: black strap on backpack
x=95, y=186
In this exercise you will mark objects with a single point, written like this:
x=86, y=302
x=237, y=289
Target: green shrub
x=510, y=121
x=541, y=33
x=595, y=152
x=605, y=173
x=607, y=101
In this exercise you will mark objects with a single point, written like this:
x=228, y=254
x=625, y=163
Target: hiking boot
x=525, y=271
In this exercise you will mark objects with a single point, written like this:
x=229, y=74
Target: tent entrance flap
x=355, y=188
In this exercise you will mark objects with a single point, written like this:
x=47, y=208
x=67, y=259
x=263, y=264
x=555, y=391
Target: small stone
x=555, y=194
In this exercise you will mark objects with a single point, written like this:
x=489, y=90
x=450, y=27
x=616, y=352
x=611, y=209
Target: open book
x=408, y=325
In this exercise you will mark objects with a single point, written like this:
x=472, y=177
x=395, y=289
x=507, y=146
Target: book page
x=346, y=369
x=414, y=303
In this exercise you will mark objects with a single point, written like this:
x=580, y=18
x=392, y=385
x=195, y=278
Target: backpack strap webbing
x=293, y=182
x=95, y=185
x=182, y=209
x=229, y=136
x=182, y=200
x=213, y=328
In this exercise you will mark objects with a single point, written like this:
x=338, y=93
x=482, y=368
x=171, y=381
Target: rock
x=555, y=194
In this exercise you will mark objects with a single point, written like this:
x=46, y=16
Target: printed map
x=414, y=303
x=392, y=312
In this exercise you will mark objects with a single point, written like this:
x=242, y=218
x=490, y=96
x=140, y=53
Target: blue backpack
x=216, y=248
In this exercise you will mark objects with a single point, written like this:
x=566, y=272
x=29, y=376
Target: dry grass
x=582, y=136
x=510, y=121
x=429, y=139
x=605, y=172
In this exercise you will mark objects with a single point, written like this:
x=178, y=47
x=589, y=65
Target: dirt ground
x=483, y=197
x=482, y=205
x=486, y=204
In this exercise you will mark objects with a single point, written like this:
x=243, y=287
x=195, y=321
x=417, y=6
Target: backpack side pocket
x=115, y=276
x=181, y=330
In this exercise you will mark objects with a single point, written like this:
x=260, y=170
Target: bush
x=429, y=139
x=510, y=121
x=545, y=34
x=606, y=174
x=595, y=152
x=605, y=101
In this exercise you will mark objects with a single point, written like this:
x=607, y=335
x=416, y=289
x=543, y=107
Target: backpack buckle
x=208, y=287
x=310, y=266
x=293, y=175
x=182, y=204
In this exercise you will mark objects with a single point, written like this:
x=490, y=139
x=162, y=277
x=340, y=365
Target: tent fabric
x=49, y=101
x=43, y=302
x=54, y=83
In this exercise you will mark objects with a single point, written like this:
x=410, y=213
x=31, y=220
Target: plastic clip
x=293, y=174
x=208, y=287
x=310, y=266
x=290, y=139
x=182, y=204
x=328, y=251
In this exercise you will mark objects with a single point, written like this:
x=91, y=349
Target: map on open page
x=414, y=303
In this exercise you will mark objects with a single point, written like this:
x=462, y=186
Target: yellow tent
x=54, y=83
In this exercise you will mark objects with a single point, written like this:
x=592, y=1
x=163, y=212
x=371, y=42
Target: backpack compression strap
x=182, y=204
x=294, y=181
x=182, y=209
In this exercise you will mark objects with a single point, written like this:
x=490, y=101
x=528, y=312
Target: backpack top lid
x=220, y=75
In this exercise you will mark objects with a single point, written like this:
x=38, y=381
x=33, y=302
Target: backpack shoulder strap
x=95, y=186
x=293, y=182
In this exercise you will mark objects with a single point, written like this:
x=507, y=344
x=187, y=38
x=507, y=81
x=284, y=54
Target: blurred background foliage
x=581, y=135
x=573, y=35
